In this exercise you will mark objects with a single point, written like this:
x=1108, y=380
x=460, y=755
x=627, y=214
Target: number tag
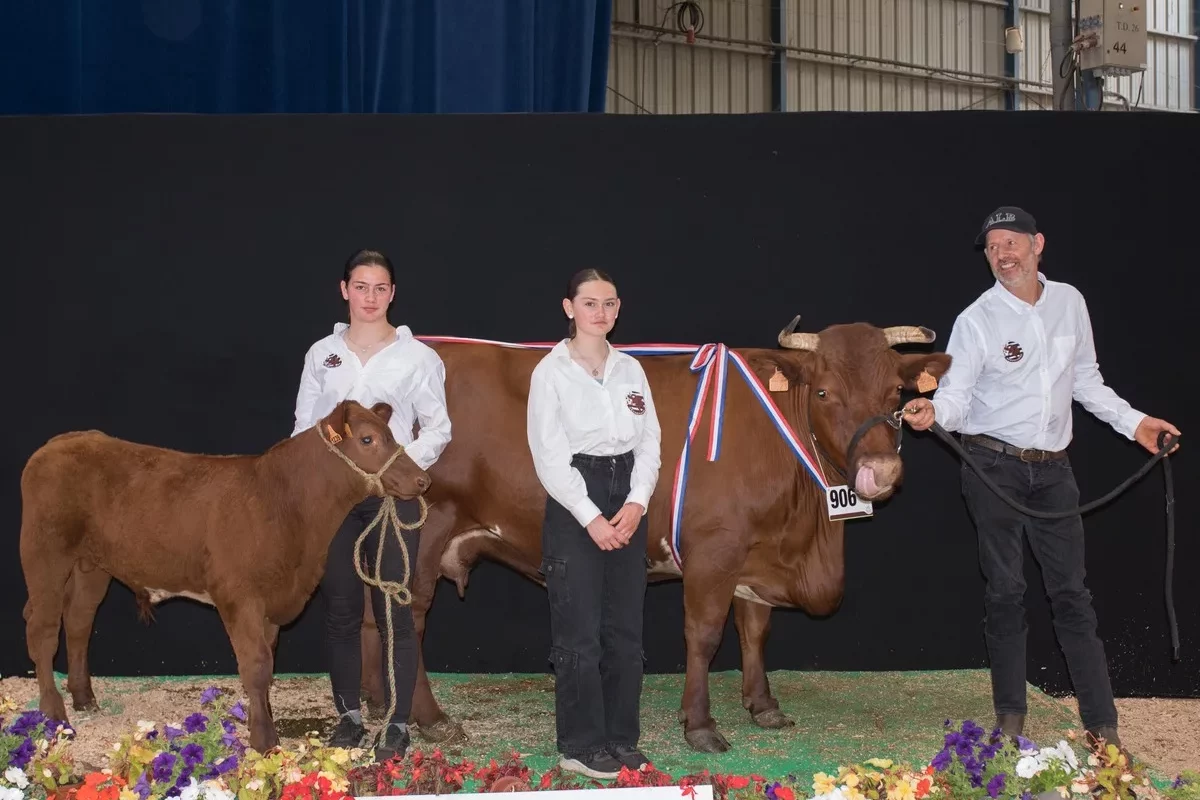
x=842, y=503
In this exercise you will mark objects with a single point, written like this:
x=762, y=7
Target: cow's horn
x=798, y=341
x=907, y=334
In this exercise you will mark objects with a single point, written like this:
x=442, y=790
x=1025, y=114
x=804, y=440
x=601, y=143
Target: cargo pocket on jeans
x=566, y=678
x=554, y=571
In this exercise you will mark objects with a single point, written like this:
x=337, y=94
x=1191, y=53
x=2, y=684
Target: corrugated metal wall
x=865, y=55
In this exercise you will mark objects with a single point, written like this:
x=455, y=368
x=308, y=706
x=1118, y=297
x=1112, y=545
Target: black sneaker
x=348, y=734
x=628, y=756
x=595, y=765
x=392, y=743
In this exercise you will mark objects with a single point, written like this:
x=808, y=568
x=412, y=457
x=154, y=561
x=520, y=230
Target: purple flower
x=1026, y=795
x=770, y=792
x=965, y=749
x=972, y=731
x=227, y=765
x=163, y=766
x=26, y=723
x=142, y=787
x=996, y=785
x=238, y=711
x=209, y=695
x=20, y=755
x=185, y=775
x=152, y=734
x=942, y=760
x=1025, y=744
x=173, y=733
x=192, y=754
x=196, y=723
x=988, y=752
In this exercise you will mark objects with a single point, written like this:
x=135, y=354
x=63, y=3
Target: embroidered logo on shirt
x=333, y=360
x=636, y=403
x=1013, y=352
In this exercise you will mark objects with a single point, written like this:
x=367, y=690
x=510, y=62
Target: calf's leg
x=85, y=591
x=753, y=622
x=253, y=637
x=46, y=575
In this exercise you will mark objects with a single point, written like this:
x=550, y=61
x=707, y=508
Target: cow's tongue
x=864, y=482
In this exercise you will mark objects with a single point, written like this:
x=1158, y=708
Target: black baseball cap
x=1008, y=218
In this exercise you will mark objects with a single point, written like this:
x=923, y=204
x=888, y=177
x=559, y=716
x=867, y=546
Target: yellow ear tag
x=349, y=433
x=334, y=437
x=926, y=382
x=778, y=382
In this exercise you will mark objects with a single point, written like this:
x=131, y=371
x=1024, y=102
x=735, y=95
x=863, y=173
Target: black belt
x=1028, y=454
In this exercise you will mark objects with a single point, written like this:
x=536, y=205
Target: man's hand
x=626, y=520
x=604, y=535
x=1147, y=433
x=919, y=413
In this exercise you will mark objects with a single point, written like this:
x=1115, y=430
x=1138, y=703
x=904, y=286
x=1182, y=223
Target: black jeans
x=343, y=592
x=1059, y=549
x=596, y=599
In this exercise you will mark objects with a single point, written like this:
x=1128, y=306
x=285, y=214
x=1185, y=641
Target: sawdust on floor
x=1162, y=732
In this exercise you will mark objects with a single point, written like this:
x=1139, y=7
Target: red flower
x=738, y=782
x=784, y=793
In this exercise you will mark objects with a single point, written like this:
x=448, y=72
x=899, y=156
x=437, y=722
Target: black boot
x=1011, y=725
x=1107, y=733
x=392, y=743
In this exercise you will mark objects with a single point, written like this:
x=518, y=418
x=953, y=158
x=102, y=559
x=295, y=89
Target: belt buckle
x=1039, y=455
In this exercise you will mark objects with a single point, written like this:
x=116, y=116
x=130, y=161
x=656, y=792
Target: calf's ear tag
x=778, y=382
x=334, y=436
x=349, y=433
x=926, y=382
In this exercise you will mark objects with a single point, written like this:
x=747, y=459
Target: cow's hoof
x=706, y=740
x=443, y=731
x=772, y=718
x=85, y=703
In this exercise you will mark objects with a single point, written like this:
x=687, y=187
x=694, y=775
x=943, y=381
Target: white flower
x=255, y=784
x=1029, y=766
x=1067, y=754
x=191, y=791
x=836, y=794
x=11, y=794
x=16, y=776
x=215, y=792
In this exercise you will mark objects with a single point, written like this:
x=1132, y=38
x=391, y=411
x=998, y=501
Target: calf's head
x=362, y=435
x=845, y=376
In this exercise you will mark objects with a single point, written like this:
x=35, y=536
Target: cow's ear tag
x=926, y=382
x=334, y=436
x=778, y=382
x=346, y=428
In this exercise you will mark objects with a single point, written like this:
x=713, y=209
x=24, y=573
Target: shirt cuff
x=585, y=511
x=641, y=496
x=1130, y=421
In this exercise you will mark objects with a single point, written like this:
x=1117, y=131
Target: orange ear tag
x=926, y=382
x=778, y=382
x=349, y=433
x=334, y=437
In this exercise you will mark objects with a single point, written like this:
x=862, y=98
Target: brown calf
x=246, y=534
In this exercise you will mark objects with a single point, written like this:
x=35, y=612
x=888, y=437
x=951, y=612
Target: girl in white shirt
x=595, y=438
x=370, y=361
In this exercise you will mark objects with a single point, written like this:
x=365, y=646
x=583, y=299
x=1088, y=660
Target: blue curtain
x=298, y=56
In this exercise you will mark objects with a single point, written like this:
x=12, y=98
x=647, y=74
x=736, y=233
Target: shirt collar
x=1015, y=303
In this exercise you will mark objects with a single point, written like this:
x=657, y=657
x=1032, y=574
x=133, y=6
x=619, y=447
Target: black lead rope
x=1165, y=443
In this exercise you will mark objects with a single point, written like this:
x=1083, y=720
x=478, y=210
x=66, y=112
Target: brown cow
x=246, y=534
x=756, y=531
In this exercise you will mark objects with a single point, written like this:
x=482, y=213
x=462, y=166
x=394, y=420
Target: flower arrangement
x=35, y=758
x=203, y=758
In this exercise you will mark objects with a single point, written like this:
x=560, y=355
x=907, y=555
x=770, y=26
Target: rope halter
x=393, y=591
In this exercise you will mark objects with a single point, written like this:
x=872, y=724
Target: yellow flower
x=852, y=792
x=882, y=763
x=340, y=756
x=823, y=784
x=851, y=780
x=128, y=794
x=901, y=790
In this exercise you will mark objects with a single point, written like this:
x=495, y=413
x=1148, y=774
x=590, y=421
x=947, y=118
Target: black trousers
x=343, y=593
x=596, y=600
x=1058, y=547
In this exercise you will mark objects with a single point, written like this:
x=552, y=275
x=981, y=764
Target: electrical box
x=1119, y=28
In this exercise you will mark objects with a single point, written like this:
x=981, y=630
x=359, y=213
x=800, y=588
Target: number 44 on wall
x=842, y=503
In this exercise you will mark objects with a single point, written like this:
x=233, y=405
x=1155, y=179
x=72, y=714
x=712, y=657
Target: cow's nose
x=423, y=482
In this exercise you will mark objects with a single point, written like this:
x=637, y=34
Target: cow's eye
x=366, y=440
x=821, y=393
x=900, y=388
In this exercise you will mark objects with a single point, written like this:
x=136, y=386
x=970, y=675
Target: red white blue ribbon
x=712, y=362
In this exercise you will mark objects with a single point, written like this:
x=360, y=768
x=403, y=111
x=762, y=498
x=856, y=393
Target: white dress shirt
x=571, y=412
x=1016, y=367
x=407, y=374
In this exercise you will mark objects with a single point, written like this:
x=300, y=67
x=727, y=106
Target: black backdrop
x=165, y=275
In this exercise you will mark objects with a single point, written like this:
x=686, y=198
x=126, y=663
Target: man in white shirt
x=1021, y=353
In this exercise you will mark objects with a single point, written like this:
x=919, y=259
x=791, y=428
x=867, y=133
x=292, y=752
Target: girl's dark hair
x=369, y=258
x=577, y=280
